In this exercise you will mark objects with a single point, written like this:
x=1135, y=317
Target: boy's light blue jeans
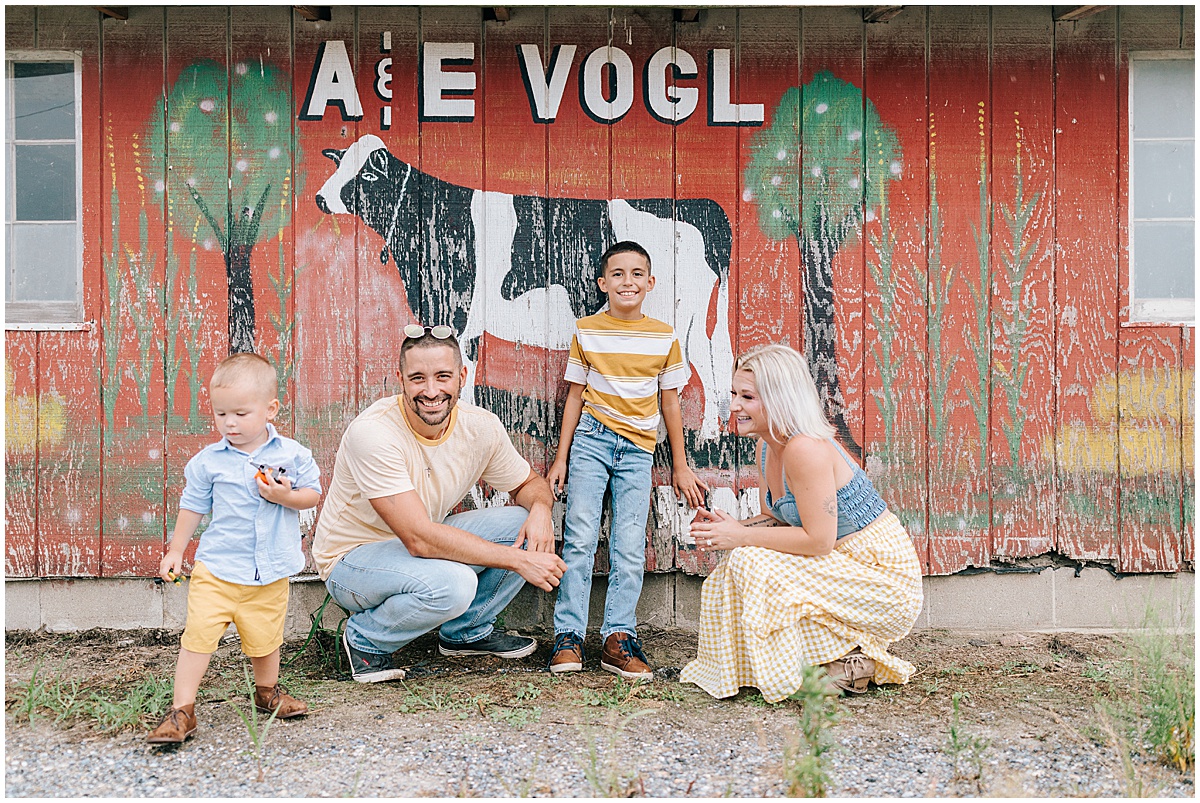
x=599, y=457
x=395, y=597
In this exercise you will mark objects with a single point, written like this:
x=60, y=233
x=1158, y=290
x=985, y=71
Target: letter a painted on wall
x=332, y=81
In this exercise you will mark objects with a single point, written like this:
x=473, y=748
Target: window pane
x=43, y=264
x=44, y=99
x=1164, y=258
x=1163, y=98
x=45, y=182
x=1163, y=174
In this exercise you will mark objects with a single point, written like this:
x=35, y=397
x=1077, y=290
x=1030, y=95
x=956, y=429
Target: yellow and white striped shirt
x=623, y=365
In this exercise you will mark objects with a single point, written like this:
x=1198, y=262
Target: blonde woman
x=826, y=575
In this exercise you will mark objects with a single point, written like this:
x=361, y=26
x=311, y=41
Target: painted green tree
x=234, y=161
x=819, y=169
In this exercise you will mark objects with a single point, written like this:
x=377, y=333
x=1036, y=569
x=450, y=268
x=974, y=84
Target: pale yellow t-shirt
x=381, y=456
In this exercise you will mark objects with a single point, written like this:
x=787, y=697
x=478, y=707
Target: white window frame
x=46, y=315
x=1155, y=311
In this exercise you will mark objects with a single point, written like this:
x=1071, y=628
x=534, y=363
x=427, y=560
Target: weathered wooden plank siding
x=895, y=81
x=1023, y=472
x=959, y=275
x=69, y=446
x=933, y=208
x=327, y=260
x=136, y=140
x=1086, y=163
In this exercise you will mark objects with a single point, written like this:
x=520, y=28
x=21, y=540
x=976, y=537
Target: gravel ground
x=489, y=729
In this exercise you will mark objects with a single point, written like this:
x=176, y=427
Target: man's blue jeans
x=599, y=457
x=395, y=597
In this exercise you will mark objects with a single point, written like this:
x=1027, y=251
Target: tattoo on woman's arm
x=830, y=505
x=762, y=523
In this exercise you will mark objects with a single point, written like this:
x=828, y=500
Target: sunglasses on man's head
x=415, y=330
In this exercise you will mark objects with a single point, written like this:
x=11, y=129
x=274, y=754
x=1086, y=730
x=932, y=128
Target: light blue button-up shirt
x=250, y=541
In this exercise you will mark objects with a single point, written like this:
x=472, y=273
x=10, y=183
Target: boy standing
x=254, y=481
x=620, y=361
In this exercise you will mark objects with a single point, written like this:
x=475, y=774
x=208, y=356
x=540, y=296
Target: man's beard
x=433, y=419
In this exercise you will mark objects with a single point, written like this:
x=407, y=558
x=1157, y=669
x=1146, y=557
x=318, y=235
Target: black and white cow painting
x=523, y=267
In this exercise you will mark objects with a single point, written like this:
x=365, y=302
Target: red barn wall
x=986, y=368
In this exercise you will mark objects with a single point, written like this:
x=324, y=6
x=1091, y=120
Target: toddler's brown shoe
x=623, y=656
x=177, y=725
x=567, y=655
x=274, y=698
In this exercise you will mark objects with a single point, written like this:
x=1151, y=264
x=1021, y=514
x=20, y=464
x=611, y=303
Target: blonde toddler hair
x=246, y=369
x=788, y=393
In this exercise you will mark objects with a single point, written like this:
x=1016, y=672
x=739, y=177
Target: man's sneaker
x=623, y=656
x=497, y=643
x=370, y=667
x=177, y=725
x=567, y=655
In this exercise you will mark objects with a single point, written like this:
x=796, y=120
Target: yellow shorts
x=258, y=611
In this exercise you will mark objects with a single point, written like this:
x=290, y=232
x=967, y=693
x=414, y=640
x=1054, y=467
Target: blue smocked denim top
x=858, y=503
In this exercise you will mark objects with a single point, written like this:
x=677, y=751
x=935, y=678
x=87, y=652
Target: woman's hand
x=717, y=530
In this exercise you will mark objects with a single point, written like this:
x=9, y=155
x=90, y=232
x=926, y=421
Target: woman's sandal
x=851, y=673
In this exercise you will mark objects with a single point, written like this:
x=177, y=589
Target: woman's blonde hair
x=788, y=393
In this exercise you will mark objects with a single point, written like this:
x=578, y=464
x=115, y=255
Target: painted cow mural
x=522, y=267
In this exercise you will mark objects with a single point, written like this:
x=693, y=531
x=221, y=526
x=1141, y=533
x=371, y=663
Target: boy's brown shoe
x=274, y=698
x=623, y=656
x=567, y=655
x=177, y=725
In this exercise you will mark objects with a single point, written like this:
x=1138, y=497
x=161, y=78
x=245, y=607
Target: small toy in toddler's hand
x=177, y=579
x=265, y=471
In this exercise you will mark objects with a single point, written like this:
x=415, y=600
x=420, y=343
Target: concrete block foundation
x=1055, y=598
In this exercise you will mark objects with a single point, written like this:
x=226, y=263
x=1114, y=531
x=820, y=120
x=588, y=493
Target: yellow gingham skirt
x=764, y=614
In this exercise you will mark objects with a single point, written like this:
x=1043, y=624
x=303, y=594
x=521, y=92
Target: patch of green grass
x=616, y=696
x=1019, y=668
x=527, y=692
x=149, y=698
x=805, y=765
x=667, y=692
x=1097, y=671
x=756, y=699
x=517, y=717
x=67, y=702
x=433, y=699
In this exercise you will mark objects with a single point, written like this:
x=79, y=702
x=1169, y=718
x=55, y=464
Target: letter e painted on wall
x=332, y=82
x=446, y=96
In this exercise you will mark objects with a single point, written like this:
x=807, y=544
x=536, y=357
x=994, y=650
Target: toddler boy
x=620, y=361
x=254, y=481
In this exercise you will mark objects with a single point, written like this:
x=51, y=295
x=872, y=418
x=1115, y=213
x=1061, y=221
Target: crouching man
x=384, y=544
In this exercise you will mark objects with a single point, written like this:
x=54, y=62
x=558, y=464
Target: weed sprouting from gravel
x=1165, y=667
x=1159, y=718
x=965, y=749
x=607, y=771
x=805, y=766
x=256, y=731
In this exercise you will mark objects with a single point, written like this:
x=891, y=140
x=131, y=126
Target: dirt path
x=1026, y=725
